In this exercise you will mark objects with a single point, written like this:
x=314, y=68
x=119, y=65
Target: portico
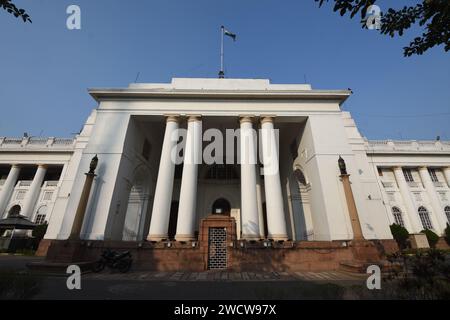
x=257, y=134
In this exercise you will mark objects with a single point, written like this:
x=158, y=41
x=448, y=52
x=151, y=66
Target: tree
x=432, y=237
x=12, y=9
x=447, y=234
x=400, y=235
x=433, y=14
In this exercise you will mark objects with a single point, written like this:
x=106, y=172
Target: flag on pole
x=228, y=33
x=231, y=35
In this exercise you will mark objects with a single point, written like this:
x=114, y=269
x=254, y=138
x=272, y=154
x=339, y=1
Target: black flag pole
x=221, y=72
x=224, y=32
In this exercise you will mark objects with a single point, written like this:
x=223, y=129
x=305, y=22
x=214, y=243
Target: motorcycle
x=114, y=260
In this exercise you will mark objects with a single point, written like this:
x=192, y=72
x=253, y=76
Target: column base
x=184, y=237
x=250, y=237
x=278, y=237
x=157, y=237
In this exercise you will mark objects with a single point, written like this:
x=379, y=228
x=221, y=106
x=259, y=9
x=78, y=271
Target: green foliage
x=432, y=237
x=433, y=14
x=12, y=9
x=400, y=235
x=25, y=252
x=447, y=234
x=18, y=285
x=424, y=275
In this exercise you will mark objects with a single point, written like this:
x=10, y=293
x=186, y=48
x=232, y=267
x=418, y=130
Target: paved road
x=191, y=285
x=203, y=286
x=16, y=262
x=189, y=290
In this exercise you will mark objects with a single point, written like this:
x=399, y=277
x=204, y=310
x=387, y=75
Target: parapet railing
x=36, y=142
x=408, y=145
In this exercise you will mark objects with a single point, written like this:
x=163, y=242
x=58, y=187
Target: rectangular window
x=47, y=196
x=433, y=175
x=408, y=175
x=417, y=196
x=443, y=196
x=20, y=194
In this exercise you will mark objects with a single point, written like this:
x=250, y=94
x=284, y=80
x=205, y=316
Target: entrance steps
x=355, y=266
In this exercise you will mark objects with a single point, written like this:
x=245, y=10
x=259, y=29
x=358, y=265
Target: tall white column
x=249, y=206
x=259, y=202
x=276, y=220
x=188, y=192
x=8, y=188
x=435, y=203
x=33, y=192
x=159, y=224
x=411, y=214
x=447, y=175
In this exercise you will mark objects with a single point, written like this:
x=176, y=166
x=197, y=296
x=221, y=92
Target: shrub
x=447, y=234
x=18, y=285
x=432, y=237
x=400, y=235
x=423, y=275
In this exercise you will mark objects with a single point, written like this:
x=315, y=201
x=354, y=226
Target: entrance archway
x=221, y=206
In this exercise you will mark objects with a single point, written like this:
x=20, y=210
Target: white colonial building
x=139, y=193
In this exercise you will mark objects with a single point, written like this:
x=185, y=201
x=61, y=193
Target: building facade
x=140, y=194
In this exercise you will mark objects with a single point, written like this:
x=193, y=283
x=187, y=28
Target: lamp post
x=84, y=198
x=353, y=212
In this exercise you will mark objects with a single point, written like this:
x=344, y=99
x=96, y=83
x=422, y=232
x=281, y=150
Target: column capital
x=16, y=165
x=423, y=168
x=172, y=117
x=42, y=165
x=397, y=168
x=267, y=119
x=246, y=118
x=194, y=117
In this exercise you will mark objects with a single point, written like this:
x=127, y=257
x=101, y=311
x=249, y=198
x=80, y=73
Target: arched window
x=300, y=177
x=221, y=206
x=40, y=215
x=425, y=218
x=447, y=213
x=398, y=216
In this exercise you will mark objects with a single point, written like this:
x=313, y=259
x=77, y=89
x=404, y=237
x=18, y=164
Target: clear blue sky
x=46, y=68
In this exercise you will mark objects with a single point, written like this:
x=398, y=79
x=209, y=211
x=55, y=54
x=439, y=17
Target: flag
x=228, y=33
